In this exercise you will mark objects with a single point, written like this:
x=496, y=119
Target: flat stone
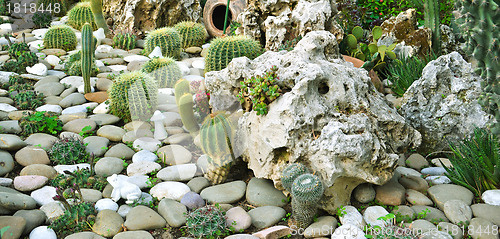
x=391, y=193
x=108, y=166
x=171, y=190
x=138, y=125
x=434, y=171
x=108, y=223
x=56, y=52
x=404, y=213
x=42, y=140
x=348, y=231
x=43, y=232
x=11, y=142
x=96, y=145
x=175, y=213
x=351, y=216
x=224, y=193
x=240, y=236
x=14, y=225
x=197, y=184
x=10, y=127
x=372, y=214
x=452, y=229
x=50, y=88
x=113, y=61
x=53, y=210
x=192, y=200
x=174, y=154
x=17, y=201
x=182, y=139
x=417, y=198
x=111, y=132
x=403, y=171
x=77, y=81
x=143, y=218
x=446, y=162
x=172, y=119
x=44, y=195
x=50, y=108
x=273, y=232
x=29, y=182
x=266, y=216
x=324, y=226
x=34, y=218
x=7, y=108
x=72, y=100
x=91, y=195
x=481, y=228
x=238, y=218
x=104, y=119
x=18, y=114
x=75, y=109
x=488, y=212
x=6, y=162
x=430, y=214
x=182, y=172
x=444, y=192
x=31, y=155
x=144, y=155
x=491, y=197
x=77, y=125
x=422, y=226
x=457, y=211
x=103, y=84
x=435, y=180
x=39, y=169
x=133, y=235
x=6, y=100
x=131, y=136
x=414, y=182
x=261, y=192
x=142, y=168
x=120, y=151
x=147, y=143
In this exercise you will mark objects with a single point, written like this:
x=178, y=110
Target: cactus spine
x=187, y=113
x=192, y=33
x=81, y=14
x=164, y=70
x=61, y=37
x=431, y=15
x=167, y=39
x=222, y=50
x=96, y=7
x=181, y=88
x=291, y=173
x=307, y=189
x=479, y=24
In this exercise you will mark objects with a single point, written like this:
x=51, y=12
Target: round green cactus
x=222, y=50
x=291, y=173
x=307, y=189
x=124, y=40
x=206, y=222
x=192, y=33
x=167, y=39
x=133, y=96
x=81, y=14
x=164, y=70
x=61, y=37
x=216, y=137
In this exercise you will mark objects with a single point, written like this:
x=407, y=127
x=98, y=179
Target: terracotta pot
x=372, y=74
x=215, y=11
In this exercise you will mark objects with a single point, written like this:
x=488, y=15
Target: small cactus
x=61, y=37
x=124, y=40
x=216, y=137
x=164, y=70
x=291, y=173
x=222, y=50
x=167, y=39
x=206, y=222
x=81, y=14
x=192, y=33
x=187, y=114
x=181, y=87
x=307, y=190
x=88, y=49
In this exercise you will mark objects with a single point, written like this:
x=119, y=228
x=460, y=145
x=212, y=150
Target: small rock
x=261, y=192
x=481, y=228
x=147, y=143
x=430, y=214
x=43, y=232
x=53, y=210
x=123, y=210
x=6, y=162
x=7, y=108
x=16, y=201
x=108, y=223
x=50, y=108
x=55, y=52
x=404, y=213
x=174, y=154
x=120, y=151
x=44, y=195
x=491, y=197
x=403, y=171
x=132, y=235
x=414, y=182
x=98, y=97
x=350, y=215
x=11, y=142
x=171, y=190
x=224, y=193
x=143, y=218
x=182, y=172
x=53, y=60
x=434, y=171
x=193, y=50
x=77, y=125
x=131, y=58
x=348, y=231
x=62, y=168
x=417, y=198
x=91, y=195
x=10, y=127
x=38, y=69
x=372, y=214
x=266, y=216
x=486, y=211
x=450, y=228
x=29, y=183
x=106, y=204
x=273, y=232
x=192, y=200
x=31, y=155
x=417, y=161
x=173, y=212
x=324, y=226
x=391, y=193
x=238, y=218
x=34, y=218
x=198, y=184
x=108, y=166
x=440, y=194
x=144, y=155
x=96, y=145
x=131, y=136
x=111, y=132
x=364, y=193
x=446, y=162
x=14, y=225
x=142, y=168
x=422, y=226
x=457, y=211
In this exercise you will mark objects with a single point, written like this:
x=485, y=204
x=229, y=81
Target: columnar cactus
x=81, y=14
x=307, y=189
x=133, y=96
x=291, y=173
x=479, y=23
x=192, y=33
x=88, y=49
x=181, y=88
x=164, y=70
x=96, y=7
x=187, y=114
x=431, y=14
x=223, y=50
x=167, y=39
x=61, y=37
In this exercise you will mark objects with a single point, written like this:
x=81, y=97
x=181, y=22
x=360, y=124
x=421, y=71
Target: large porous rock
x=147, y=15
x=330, y=118
x=404, y=30
x=278, y=21
x=442, y=104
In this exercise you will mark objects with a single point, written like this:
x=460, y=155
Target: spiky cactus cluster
x=480, y=25
x=124, y=40
x=192, y=33
x=61, y=4
x=81, y=14
x=16, y=49
x=164, y=70
x=61, y=37
x=88, y=48
x=206, y=222
x=306, y=191
x=223, y=50
x=167, y=39
x=133, y=96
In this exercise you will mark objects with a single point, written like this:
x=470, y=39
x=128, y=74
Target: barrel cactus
x=291, y=173
x=164, y=70
x=167, y=39
x=133, y=96
x=124, y=40
x=307, y=190
x=81, y=14
x=222, y=50
x=61, y=37
x=192, y=33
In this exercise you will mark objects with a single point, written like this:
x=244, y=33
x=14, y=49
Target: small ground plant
x=84, y=178
x=207, y=222
x=257, y=93
x=40, y=122
x=69, y=151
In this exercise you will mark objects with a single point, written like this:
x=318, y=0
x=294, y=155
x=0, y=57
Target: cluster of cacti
x=133, y=96
x=222, y=50
x=167, y=38
x=306, y=190
x=206, y=222
x=479, y=23
x=84, y=178
x=21, y=57
x=88, y=49
x=216, y=141
x=164, y=70
x=70, y=150
x=96, y=7
x=372, y=54
x=81, y=14
x=26, y=59
x=192, y=33
x=28, y=99
x=16, y=49
x=124, y=40
x=61, y=37
x=57, y=7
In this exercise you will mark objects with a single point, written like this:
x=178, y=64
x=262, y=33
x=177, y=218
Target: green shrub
x=40, y=122
x=206, y=222
x=257, y=93
x=3, y=8
x=26, y=59
x=61, y=37
x=69, y=151
x=28, y=99
x=16, y=49
x=476, y=162
x=42, y=19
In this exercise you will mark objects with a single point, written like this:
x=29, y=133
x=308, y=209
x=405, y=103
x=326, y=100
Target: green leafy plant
x=28, y=100
x=86, y=131
x=40, y=122
x=290, y=44
x=206, y=222
x=42, y=19
x=84, y=178
x=69, y=150
x=125, y=40
x=258, y=92
x=21, y=57
x=476, y=162
x=373, y=54
x=224, y=49
x=391, y=231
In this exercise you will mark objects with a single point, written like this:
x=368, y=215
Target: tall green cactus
x=88, y=48
x=431, y=18
x=307, y=190
x=61, y=37
x=222, y=50
x=81, y=14
x=96, y=7
x=479, y=24
x=187, y=114
x=192, y=33
x=290, y=173
x=133, y=96
x=167, y=39
x=181, y=87
x=164, y=70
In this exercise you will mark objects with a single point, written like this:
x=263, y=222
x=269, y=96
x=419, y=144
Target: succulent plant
x=206, y=222
x=260, y=91
x=307, y=190
x=42, y=19
x=88, y=48
x=26, y=59
x=187, y=114
x=124, y=40
x=16, y=49
x=75, y=69
x=181, y=87
x=70, y=150
x=222, y=50
x=192, y=33
x=81, y=14
x=28, y=99
x=40, y=122
x=290, y=173
x=61, y=37
x=167, y=39
x=58, y=8
x=84, y=178
x=372, y=54
x=133, y=96
x=216, y=137
x=164, y=70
